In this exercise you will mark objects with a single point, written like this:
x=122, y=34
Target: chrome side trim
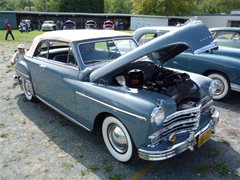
x=235, y=87
x=68, y=117
x=22, y=74
x=212, y=45
x=112, y=107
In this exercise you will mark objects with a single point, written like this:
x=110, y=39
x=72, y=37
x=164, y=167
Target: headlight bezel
x=158, y=115
x=212, y=88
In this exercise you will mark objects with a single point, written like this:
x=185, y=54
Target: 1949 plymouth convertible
x=102, y=81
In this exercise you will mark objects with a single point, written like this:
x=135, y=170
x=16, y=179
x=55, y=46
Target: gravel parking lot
x=38, y=143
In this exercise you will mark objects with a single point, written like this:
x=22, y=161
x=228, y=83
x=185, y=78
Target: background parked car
x=222, y=64
x=49, y=26
x=226, y=36
x=90, y=24
x=108, y=25
x=69, y=25
x=25, y=25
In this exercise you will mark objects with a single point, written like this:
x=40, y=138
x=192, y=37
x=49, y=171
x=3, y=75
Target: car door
x=52, y=74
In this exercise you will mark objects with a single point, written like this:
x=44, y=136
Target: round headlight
x=213, y=88
x=158, y=115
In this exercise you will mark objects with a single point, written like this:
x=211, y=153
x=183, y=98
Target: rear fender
x=22, y=70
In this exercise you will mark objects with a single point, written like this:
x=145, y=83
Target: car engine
x=151, y=77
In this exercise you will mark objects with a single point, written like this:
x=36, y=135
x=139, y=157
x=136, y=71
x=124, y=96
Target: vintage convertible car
x=101, y=80
x=221, y=64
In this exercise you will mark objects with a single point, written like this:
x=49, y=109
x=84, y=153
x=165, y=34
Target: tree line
x=146, y=7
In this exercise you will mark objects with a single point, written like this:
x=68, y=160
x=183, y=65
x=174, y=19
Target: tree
x=118, y=6
x=51, y=5
x=164, y=7
x=88, y=6
x=218, y=6
x=7, y=5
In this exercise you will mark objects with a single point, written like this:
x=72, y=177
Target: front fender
x=22, y=70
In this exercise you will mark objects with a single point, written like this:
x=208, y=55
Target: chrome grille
x=206, y=103
x=185, y=120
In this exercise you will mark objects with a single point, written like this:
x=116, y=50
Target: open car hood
x=194, y=36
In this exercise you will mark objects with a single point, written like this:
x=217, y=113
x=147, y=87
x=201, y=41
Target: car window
x=146, y=38
x=41, y=50
x=236, y=36
x=71, y=59
x=125, y=46
x=101, y=51
x=224, y=35
x=56, y=51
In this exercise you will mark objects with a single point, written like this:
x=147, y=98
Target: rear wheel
x=118, y=140
x=223, y=86
x=28, y=89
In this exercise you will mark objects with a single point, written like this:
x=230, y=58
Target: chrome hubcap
x=117, y=138
x=220, y=87
x=28, y=88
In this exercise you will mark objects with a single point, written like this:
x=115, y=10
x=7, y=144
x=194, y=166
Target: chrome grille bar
x=185, y=120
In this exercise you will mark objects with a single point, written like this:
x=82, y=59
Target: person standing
x=9, y=31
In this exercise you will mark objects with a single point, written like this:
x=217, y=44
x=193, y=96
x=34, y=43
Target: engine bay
x=151, y=77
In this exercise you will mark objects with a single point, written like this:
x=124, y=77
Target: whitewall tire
x=222, y=82
x=117, y=139
x=28, y=89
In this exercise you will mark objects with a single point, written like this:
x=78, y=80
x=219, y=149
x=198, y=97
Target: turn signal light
x=172, y=138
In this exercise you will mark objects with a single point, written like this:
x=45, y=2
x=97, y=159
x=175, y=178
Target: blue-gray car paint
x=83, y=101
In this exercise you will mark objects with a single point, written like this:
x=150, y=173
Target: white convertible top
x=75, y=35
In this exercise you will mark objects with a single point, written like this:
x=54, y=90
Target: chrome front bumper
x=235, y=87
x=176, y=149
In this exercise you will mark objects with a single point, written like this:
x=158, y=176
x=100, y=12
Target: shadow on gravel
x=232, y=102
x=214, y=160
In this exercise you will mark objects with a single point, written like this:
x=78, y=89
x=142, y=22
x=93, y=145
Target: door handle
x=42, y=67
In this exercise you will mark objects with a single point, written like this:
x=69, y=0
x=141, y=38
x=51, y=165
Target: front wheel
x=28, y=89
x=223, y=86
x=118, y=140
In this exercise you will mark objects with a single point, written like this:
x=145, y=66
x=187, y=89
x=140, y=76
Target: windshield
x=106, y=50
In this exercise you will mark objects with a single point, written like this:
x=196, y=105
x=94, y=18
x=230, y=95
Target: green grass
x=24, y=38
x=27, y=37
x=67, y=165
x=20, y=37
x=116, y=177
x=4, y=135
x=2, y=125
x=220, y=168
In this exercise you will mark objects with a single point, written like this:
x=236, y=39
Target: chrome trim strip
x=68, y=117
x=112, y=107
x=22, y=74
x=235, y=87
x=212, y=45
